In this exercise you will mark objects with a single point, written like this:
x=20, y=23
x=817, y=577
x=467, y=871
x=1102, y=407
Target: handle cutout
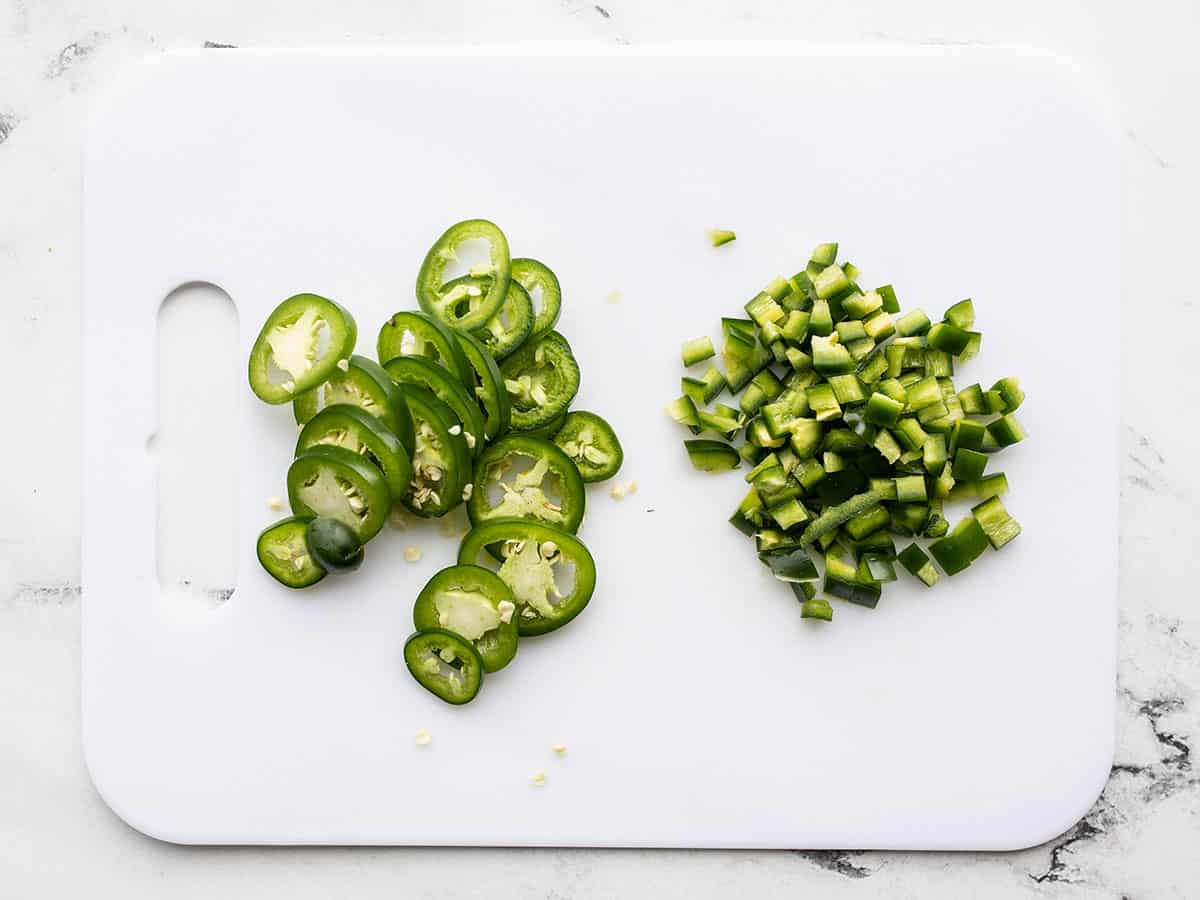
x=196, y=446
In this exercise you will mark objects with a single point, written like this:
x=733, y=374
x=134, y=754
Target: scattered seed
x=412, y=554
x=617, y=492
x=559, y=749
x=423, y=737
x=274, y=503
x=538, y=779
x=613, y=297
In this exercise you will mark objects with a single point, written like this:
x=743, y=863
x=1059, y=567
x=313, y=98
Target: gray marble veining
x=56, y=836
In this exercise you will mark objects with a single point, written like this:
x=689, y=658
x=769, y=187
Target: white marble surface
x=56, y=836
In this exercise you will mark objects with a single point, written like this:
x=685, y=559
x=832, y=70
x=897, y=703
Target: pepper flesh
x=450, y=305
x=471, y=602
x=542, y=379
x=287, y=358
x=528, y=570
x=591, y=444
x=525, y=493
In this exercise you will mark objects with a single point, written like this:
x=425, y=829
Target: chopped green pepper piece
x=1006, y=430
x=962, y=546
x=712, y=456
x=911, y=489
x=999, y=526
x=1010, y=392
x=914, y=559
x=842, y=580
x=911, y=323
x=989, y=486
x=816, y=608
x=719, y=237
x=961, y=314
x=830, y=281
x=697, y=350
x=870, y=519
x=683, y=411
x=968, y=464
x=820, y=319
x=830, y=358
x=890, y=303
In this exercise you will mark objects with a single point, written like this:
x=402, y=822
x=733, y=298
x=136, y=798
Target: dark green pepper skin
x=591, y=444
x=439, y=446
x=531, y=274
x=487, y=384
x=489, y=471
x=337, y=464
x=549, y=430
x=343, y=332
x=283, y=553
x=530, y=620
x=443, y=384
x=333, y=545
x=431, y=281
x=351, y=427
x=497, y=646
x=365, y=384
x=550, y=360
x=432, y=340
x=458, y=681
x=509, y=326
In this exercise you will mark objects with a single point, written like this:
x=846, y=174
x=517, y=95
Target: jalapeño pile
x=853, y=431
x=467, y=403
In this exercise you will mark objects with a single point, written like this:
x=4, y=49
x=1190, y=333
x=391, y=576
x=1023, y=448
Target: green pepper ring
x=488, y=385
x=292, y=531
x=348, y=466
x=343, y=332
x=496, y=647
x=530, y=273
x=420, y=372
x=437, y=640
x=503, y=340
x=386, y=450
x=454, y=458
x=578, y=423
x=429, y=331
x=368, y=378
x=497, y=531
x=431, y=281
x=551, y=358
x=574, y=497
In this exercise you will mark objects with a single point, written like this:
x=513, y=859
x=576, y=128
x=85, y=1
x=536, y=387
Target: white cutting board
x=698, y=709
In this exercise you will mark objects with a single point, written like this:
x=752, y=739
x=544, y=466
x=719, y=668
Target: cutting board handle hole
x=194, y=447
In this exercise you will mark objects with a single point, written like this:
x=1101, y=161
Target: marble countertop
x=57, y=837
